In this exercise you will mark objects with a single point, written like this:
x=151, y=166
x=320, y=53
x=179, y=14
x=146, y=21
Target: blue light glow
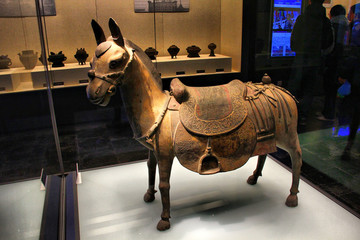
x=343, y=131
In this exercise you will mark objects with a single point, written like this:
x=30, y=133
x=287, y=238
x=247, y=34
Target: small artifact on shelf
x=57, y=59
x=193, y=51
x=173, y=51
x=151, y=52
x=5, y=62
x=28, y=58
x=212, y=47
x=81, y=56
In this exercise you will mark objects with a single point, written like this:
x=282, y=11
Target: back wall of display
x=219, y=22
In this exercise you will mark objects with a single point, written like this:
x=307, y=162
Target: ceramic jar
x=151, y=52
x=193, y=51
x=173, y=51
x=212, y=47
x=5, y=62
x=28, y=58
x=57, y=59
x=81, y=56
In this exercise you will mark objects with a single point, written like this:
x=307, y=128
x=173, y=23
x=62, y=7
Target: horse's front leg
x=165, y=161
x=151, y=163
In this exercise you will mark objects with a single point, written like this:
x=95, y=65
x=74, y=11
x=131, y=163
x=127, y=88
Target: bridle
x=114, y=78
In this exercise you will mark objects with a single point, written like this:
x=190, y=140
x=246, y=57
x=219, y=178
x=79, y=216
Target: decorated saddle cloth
x=211, y=111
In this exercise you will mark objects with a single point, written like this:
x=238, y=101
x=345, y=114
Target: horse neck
x=143, y=98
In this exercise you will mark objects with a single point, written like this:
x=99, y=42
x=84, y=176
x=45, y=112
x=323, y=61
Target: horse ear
x=99, y=33
x=116, y=33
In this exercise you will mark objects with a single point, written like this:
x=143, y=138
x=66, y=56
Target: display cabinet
x=50, y=131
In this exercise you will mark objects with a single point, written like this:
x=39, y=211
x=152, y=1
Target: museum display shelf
x=21, y=80
x=216, y=206
x=185, y=66
x=21, y=208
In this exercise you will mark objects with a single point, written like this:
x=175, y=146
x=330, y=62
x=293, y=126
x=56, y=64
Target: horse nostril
x=98, y=90
x=112, y=89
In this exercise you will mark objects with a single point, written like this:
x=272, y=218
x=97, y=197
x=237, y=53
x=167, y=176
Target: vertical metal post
x=47, y=77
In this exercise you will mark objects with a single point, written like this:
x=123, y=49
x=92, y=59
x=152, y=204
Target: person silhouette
x=340, y=25
x=350, y=71
x=311, y=38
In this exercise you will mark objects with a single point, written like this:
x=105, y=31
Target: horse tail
x=285, y=110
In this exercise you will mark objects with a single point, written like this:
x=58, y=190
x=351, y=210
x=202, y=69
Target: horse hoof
x=292, y=201
x=163, y=225
x=149, y=197
x=252, y=180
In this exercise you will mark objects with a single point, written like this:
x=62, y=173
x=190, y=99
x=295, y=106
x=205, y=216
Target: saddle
x=221, y=127
x=210, y=111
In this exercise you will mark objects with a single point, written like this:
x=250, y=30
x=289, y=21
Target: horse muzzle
x=99, y=92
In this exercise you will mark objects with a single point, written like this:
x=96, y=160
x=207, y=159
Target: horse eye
x=114, y=64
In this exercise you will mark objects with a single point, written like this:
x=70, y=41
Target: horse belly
x=212, y=154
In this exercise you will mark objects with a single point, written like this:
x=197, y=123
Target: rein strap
x=146, y=140
x=115, y=78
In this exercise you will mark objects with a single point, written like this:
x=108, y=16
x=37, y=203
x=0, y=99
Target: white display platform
x=22, y=80
x=221, y=206
x=185, y=66
x=72, y=74
x=21, y=208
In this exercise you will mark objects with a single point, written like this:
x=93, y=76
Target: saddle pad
x=211, y=111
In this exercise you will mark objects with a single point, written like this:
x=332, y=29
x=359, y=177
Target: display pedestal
x=185, y=66
x=22, y=80
x=72, y=74
x=220, y=206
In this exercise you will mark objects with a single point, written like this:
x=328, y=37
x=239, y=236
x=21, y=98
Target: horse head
x=108, y=66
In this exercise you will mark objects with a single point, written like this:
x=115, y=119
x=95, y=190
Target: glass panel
x=314, y=71
x=27, y=142
x=91, y=136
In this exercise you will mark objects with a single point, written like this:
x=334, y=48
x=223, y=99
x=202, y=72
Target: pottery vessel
x=151, y=52
x=5, y=62
x=193, y=51
x=212, y=47
x=57, y=59
x=28, y=58
x=81, y=56
x=173, y=51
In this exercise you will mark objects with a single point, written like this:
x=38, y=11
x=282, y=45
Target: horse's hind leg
x=296, y=161
x=252, y=180
x=151, y=163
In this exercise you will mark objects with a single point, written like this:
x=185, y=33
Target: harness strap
x=146, y=139
x=115, y=78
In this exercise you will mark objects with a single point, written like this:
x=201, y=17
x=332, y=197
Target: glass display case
x=324, y=133
x=49, y=129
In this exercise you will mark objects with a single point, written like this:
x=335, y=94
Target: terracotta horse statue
x=209, y=129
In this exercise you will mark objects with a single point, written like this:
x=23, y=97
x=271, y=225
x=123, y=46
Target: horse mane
x=145, y=60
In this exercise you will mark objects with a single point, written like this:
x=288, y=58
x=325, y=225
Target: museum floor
x=95, y=145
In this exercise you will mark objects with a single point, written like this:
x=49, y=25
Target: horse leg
x=151, y=163
x=165, y=164
x=296, y=161
x=252, y=180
